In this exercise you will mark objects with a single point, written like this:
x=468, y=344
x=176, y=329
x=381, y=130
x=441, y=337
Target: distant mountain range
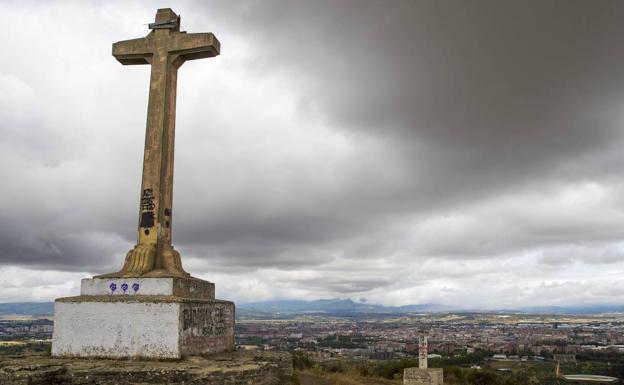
x=27, y=308
x=334, y=307
x=581, y=309
x=345, y=307
x=337, y=307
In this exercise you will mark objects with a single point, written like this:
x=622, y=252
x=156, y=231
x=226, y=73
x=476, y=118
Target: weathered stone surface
x=237, y=368
x=179, y=287
x=417, y=376
x=165, y=49
x=158, y=327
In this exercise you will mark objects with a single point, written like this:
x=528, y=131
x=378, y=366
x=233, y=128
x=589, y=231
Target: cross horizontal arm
x=195, y=45
x=134, y=51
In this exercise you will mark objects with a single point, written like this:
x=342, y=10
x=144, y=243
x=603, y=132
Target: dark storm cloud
x=494, y=93
x=470, y=100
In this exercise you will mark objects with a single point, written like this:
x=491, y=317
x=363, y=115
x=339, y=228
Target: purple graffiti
x=135, y=287
x=113, y=287
x=124, y=287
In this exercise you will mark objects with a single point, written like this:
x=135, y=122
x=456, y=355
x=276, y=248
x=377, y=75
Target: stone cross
x=165, y=48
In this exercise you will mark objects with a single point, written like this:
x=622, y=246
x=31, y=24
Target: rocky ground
x=238, y=368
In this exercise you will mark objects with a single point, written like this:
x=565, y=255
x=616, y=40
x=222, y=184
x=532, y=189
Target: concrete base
x=154, y=318
x=417, y=376
x=141, y=326
x=179, y=287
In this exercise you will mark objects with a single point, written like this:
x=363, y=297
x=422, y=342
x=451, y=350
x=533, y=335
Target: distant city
x=343, y=328
x=348, y=337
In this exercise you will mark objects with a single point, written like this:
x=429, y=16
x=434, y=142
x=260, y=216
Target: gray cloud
x=326, y=132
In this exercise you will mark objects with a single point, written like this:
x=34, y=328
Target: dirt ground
x=308, y=379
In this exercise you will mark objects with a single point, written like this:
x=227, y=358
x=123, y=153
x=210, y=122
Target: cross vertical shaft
x=157, y=185
x=166, y=49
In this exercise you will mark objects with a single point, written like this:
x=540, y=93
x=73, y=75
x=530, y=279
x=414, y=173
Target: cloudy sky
x=399, y=152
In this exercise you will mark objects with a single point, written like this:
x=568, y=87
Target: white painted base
x=182, y=287
x=123, y=327
x=116, y=329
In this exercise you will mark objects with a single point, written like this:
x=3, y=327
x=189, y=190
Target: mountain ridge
x=332, y=306
x=340, y=307
x=27, y=308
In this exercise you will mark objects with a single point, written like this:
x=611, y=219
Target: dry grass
x=13, y=343
x=347, y=378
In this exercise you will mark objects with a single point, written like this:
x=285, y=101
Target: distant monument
x=151, y=308
x=423, y=375
x=423, y=352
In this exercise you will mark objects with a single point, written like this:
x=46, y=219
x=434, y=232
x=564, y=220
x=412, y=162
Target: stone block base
x=179, y=287
x=141, y=326
x=417, y=376
x=237, y=368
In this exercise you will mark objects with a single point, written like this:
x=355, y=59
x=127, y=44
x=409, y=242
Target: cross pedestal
x=142, y=318
x=423, y=376
x=151, y=308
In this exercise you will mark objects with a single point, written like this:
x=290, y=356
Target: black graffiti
x=147, y=219
x=147, y=209
x=167, y=214
x=205, y=321
x=147, y=200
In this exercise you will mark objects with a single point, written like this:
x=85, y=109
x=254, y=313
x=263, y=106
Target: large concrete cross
x=166, y=49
